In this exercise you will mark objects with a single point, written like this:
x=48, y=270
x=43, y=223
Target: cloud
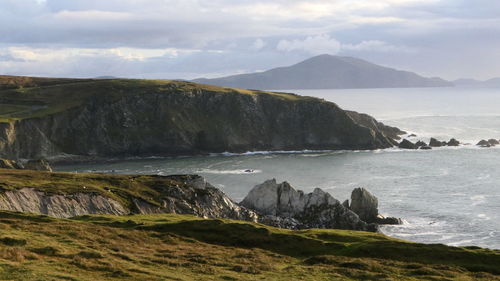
x=375, y=46
x=258, y=44
x=320, y=44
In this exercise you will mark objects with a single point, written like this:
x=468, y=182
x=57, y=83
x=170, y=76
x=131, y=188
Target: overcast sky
x=208, y=38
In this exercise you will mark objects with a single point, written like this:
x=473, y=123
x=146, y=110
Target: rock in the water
x=493, y=142
x=9, y=164
x=420, y=143
x=483, y=143
x=426, y=147
x=453, y=142
x=364, y=204
x=412, y=135
x=39, y=165
x=435, y=143
x=388, y=220
x=406, y=144
x=313, y=210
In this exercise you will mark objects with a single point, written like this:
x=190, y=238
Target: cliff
x=328, y=72
x=50, y=117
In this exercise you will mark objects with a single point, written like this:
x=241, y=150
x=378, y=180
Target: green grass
x=181, y=247
x=28, y=97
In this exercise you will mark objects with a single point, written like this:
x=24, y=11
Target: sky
x=186, y=39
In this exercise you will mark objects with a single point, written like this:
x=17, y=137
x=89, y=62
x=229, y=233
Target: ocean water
x=445, y=195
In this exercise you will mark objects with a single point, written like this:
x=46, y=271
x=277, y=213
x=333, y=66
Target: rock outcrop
x=364, y=204
x=435, y=143
x=453, y=142
x=406, y=144
x=56, y=205
x=38, y=165
x=9, y=164
x=277, y=203
x=115, y=118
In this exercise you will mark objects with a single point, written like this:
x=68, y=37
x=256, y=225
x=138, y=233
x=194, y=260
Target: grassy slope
x=176, y=247
x=26, y=97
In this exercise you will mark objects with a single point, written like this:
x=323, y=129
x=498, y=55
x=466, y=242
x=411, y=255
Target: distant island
x=467, y=82
x=328, y=72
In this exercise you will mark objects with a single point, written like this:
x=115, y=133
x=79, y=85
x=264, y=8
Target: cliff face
x=165, y=118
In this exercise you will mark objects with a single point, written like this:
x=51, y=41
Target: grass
x=28, y=97
x=181, y=247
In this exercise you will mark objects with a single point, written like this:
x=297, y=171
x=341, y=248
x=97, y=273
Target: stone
x=9, y=164
x=388, y=220
x=483, y=143
x=426, y=147
x=406, y=144
x=453, y=142
x=317, y=209
x=493, y=142
x=435, y=143
x=364, y=204
x=420, y=143
x=38, y=165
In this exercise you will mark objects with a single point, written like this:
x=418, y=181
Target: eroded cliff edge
x=53, y=117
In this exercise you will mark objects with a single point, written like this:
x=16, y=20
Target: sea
x=447, y=195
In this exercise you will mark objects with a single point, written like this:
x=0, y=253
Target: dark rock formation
x=483, y=143
x=275, y=202
x=453, y=142
x=435, y=143
x=493, y=142
x=366, y=120
x=141, y=118
x=426, y=147
x=420, y=143
x=406, y=144
x=38, y=165
x=364, y=204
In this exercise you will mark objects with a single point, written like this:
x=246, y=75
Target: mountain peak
x=327, y=71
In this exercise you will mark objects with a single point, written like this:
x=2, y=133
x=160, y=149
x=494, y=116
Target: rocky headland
x=89, y=118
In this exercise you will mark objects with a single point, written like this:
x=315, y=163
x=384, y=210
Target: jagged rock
x=364, y=204
x=388, y=220
x=435, y=143
x=483, y=143
x=493, y=142
x=39, y=165
x=420, y=143
x=9, y=164
x=453, y=142
x=406, y=144
x=346, y=203
x=313, y=210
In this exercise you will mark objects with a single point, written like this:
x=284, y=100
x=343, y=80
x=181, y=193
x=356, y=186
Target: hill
x=49, y=117
x=490, y=83
x=183, y=247
x=328, y=72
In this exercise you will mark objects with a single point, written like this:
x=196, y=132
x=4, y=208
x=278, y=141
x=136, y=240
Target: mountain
x=465, y=82
x=328, y=72
x=101, y=118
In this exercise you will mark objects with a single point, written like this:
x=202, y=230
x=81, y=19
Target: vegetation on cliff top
x=28, y=97
x=180, y=247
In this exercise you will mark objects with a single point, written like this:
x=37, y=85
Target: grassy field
x=28, y=97
x=179, y=247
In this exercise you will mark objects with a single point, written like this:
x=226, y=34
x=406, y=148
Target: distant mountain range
x=491, y=83
x=328, y=72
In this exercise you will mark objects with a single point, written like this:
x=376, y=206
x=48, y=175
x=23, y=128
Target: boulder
x=406, y=144
x=435, y=143
x=453, y=142
x=280, y=203
x=364, y=204
x=483, y=143
x=420, y=143
x=38, y=165
x=493, y=142
x=388, y=220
